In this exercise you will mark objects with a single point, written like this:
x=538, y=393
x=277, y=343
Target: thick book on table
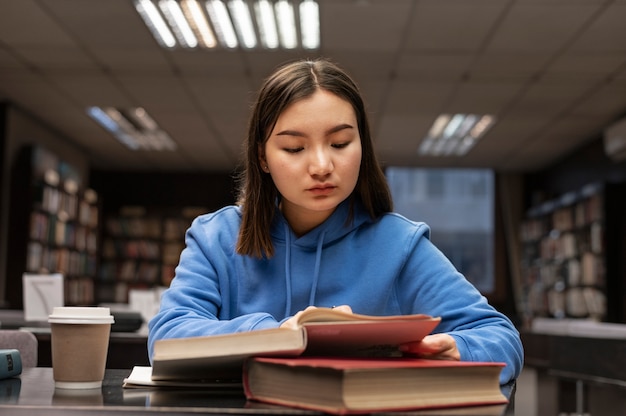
x=321, y=331
x=342, y=385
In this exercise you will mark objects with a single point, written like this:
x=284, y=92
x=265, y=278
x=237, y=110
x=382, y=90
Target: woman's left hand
x=436, y=346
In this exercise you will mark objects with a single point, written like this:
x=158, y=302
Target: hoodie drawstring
x=316, y=270
x=288, y=270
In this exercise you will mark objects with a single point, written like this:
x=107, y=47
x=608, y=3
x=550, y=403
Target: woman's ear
x=263, y=160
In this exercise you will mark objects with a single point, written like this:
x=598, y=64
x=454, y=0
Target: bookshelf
x=54, y=222
x=141, y=247
x=569, y=271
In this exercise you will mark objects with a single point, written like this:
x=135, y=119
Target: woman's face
x=313, y=155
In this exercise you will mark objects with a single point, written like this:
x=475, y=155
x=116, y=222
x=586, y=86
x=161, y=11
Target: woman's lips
x=322, y=189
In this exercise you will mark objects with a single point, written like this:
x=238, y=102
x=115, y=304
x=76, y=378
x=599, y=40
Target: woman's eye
x=340, y=145
x=292, y=149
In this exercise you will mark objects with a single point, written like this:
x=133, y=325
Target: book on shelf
x=364, y=385
x=321, y=331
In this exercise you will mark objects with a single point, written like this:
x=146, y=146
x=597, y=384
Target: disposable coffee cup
x=80, y=342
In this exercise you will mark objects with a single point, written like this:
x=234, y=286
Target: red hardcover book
x=364, y=385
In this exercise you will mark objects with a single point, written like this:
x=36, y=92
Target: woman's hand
x=436, y=346
x=292, y=323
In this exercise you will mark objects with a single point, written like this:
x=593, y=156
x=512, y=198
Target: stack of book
x=334, y=362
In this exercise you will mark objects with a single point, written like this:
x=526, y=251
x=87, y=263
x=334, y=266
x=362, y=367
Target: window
x=458, y=205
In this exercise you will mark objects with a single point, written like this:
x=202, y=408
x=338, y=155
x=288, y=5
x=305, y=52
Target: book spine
x=10, y=363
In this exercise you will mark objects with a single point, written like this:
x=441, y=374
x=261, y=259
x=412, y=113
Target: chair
x=23, y=341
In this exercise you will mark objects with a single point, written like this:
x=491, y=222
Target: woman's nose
x=321, y=163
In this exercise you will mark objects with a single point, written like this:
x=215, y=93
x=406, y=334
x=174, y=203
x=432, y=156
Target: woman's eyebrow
x=290, y=133
x=332, y=130
x=339, y=128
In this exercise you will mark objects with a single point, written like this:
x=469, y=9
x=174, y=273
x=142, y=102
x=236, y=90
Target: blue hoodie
x=385, y=266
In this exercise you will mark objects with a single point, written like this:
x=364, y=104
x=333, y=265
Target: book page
x=336, y=315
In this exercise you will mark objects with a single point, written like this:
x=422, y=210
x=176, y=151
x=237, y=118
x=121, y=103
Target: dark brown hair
x=257, y=193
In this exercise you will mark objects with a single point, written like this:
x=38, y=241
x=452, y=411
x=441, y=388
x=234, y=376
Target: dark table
x=578, y=373
x=33, y=393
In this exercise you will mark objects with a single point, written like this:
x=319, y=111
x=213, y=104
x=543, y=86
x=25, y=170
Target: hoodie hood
x=335, y=227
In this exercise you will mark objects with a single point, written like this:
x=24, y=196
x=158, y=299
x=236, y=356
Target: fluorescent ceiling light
x=222, y=23
x=267, y=24
x=455, y=135
x=132, y=127
x=176, y=18
x=286, y=24
x=310, y=24
x=153, y=19
x=199, y=23
x=231, y=23
x=243, y=22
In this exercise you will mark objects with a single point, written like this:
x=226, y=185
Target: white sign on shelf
x=41, y=293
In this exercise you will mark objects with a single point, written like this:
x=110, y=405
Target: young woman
x=313, y=227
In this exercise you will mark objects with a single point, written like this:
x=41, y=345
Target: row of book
x=69, y=206
x=571, y=210
x=587, y=270
x=79, y=291
x=53, y=231
x=559, y=246
x=134, y=227
x=174, y=228
x=122, y=249
x=41, y=258
x=130, y=271
x=576, y=302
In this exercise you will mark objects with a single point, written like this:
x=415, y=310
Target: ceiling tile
x=25, y=23
x=532, y=28
x=494, y=97
x=607, y=33
x=585, y=65
x=373, y=25
x=91, y=89
x=445, y=26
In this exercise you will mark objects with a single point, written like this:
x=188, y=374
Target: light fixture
x=286, y=24
x=455, y=135
x=155, y=23
x=218, y=14
x=199, y=23
x=243, y=22
x=310, y=24
x=133, y=127
x=178, y=22
x=268, y=24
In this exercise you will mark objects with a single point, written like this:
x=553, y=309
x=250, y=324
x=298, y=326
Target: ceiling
x=552, y=71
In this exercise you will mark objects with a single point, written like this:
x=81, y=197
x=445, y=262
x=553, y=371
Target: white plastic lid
x=80, y=315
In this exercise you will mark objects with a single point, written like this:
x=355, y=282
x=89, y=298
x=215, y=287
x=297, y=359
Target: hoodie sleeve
x=437, y=288
x=193, y=304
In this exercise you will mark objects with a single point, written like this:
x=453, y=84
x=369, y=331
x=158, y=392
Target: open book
x=321, y=331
